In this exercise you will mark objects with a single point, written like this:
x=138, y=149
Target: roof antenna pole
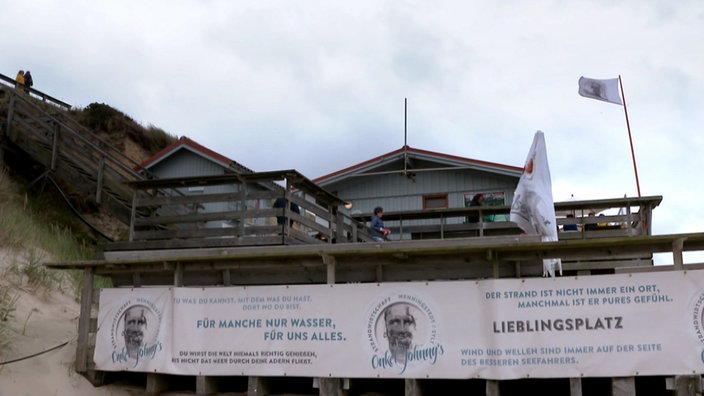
x=405, y=123
x=405, y=136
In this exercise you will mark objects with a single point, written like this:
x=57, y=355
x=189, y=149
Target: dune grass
x=35, y=228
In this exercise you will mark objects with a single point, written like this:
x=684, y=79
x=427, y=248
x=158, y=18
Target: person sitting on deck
x=603, y=223
x=570, y=226
x=592, y=226
x=281, y=203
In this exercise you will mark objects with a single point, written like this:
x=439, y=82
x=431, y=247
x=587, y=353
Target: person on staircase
x=19, y=80
x=28, y=81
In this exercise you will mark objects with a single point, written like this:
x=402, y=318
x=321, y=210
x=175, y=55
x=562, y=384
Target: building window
x=435, y=201
x=497, y=198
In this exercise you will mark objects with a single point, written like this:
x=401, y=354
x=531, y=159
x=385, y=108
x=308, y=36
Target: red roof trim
x=181, y=142
x=417, y=151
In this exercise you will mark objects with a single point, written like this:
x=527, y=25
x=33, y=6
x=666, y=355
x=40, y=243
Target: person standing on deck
x=377, y=225
x=477, y=200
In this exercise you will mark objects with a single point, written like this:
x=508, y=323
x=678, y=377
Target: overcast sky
x=320, y=85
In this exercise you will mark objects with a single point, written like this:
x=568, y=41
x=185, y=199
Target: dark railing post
x=442, y=226
x=55, y=146
x=133, y=213
x=243, y=207
x=10, y=113
x=338, y=235
x=99, y=181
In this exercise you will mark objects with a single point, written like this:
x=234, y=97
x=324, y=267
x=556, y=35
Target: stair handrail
x=45, y=98
x=113, y=153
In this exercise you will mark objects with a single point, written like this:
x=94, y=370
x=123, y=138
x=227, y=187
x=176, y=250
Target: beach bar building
x=313, y=306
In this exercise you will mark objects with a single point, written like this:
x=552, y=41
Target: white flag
x=606, y=90
x=532, y=208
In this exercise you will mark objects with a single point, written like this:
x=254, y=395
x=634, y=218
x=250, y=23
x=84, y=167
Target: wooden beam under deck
x=461, y=258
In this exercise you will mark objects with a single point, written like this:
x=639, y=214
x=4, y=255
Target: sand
x=42, y=321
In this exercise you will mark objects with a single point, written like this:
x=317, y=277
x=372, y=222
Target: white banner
x=602, y=325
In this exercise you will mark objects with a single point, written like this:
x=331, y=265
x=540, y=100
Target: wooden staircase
x=74, y=157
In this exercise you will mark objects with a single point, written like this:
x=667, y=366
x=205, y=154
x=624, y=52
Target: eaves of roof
x=447, y=159
x=190, y=145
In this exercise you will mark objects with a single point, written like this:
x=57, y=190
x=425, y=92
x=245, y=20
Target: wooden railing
x=10, y=82
x=239, y=210
x=633, y=217
x=235, y=210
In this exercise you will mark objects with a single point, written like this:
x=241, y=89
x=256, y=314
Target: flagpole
x=630, y=139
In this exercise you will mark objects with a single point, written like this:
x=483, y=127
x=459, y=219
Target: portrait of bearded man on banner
x=400, y=325
x=135, y=325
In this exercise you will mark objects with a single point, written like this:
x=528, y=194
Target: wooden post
x=339, y=234
x=333, y=221
x=355, y=234
x=10, y=113
x=442, y=226
x=3, y=137
x=136, y=279
x=492, y=388
x=156, y=383
x=495, y=263
x=257, y=386
x=684, y=385
x=96, y=378
x=133, y=214
x=646, y=218
x=99, y=181
x=481, y=223
x=206, y=385
x=226, y=278
x=623, y=386
x=575, y=386
x=413, y=387
x=55, y=146
x=330, y=263
x=677, y=257
x=330, y=386
x=285, y=214
x=243, y=208
x=629, y=222
x=178, y=274
x=84, y=321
